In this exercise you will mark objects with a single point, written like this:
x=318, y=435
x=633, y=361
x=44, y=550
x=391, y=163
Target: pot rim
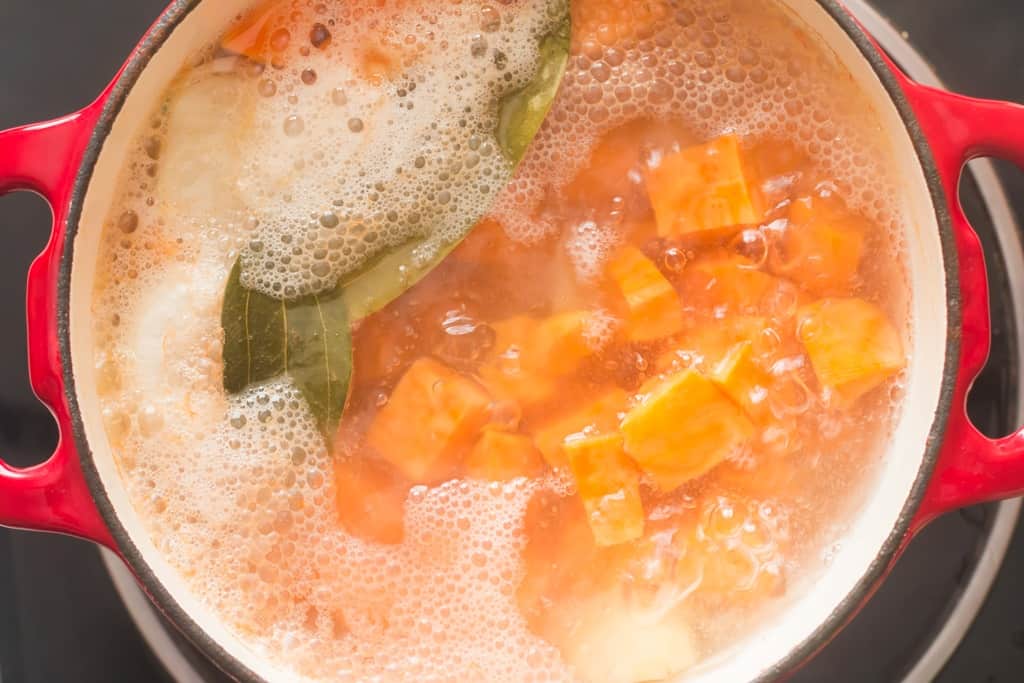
x=118, y=93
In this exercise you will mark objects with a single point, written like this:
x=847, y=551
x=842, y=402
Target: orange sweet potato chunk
x=852, y=346
x=684, y=428
x=530, y=354
x=431, y=419
x=501, y=456
x=744, y=380
x=654, y=308
x=593, y=415
x=735, y=284
x=609, y=484
x=822, y=247
x=702, y=188
x=709, y=342
x=370, y=499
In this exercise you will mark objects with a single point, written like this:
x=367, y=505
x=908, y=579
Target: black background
x=60, y=620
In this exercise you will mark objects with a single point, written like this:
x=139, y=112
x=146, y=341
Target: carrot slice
x=701, y=189
x=654, y=308
x=431, y=419
x=852, y=346
x=684, y=428
x=609, y=484
x=501, y=456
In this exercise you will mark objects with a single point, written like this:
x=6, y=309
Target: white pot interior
x=868, y=532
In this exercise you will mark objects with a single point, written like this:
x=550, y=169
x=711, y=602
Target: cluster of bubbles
x=716, y=66
x=338, y=167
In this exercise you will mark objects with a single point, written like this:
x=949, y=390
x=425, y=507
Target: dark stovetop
x=60, y=619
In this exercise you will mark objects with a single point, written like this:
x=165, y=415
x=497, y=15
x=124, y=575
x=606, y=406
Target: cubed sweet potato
x=734, y=284
x=530, y=355
x=709, y=341
x=746, y=383
x=593, y=415
x=654, y=311
x=370, y=497
x=683, y=429
x=852, y=345
x=609, y=484
x=702, y=188
x=430, y=421
x=502, y=456
x=821, y=248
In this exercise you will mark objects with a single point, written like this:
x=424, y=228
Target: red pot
x=940, y=461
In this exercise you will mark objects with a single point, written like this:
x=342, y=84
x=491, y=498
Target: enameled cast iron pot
x=937, y=460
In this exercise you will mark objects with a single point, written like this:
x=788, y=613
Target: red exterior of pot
x=52, y=496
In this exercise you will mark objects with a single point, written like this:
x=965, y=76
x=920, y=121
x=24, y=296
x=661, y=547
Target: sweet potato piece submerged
x=501, y=456
x=701, y=188
x=431, y=419
x=852, y=345
x=654, y=308
x=822, y=246
x=682, y=430
x=595, y=415
x=614, y=639
x=370, y=499
x=735, y=284
x=531, y=354
x=609, y=485
x=744, y=380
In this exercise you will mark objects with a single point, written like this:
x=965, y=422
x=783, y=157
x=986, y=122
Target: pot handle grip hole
x=972, y=468
x=53, y=495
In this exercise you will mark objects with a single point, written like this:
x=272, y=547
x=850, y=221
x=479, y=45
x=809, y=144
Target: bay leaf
x=520, y=116
x=307, y=339
x=319, y=354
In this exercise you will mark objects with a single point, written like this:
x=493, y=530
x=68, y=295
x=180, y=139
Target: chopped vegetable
x=370, y=499
x=852, y=345
x=501, y=456
x=618, y=640
x=596, y=415
x=700, y=189
x=431, y=419
x=609, y=484
x=735, y=284
x=821, y=248
x=654, y=308
x=529, y=355
x=744, y=380
x=708, y=343
x=683, y=429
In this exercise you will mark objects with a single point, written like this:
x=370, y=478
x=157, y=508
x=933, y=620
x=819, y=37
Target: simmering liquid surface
x=610, y=435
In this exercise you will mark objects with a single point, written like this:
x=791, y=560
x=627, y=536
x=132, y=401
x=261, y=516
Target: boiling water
x=307, y=167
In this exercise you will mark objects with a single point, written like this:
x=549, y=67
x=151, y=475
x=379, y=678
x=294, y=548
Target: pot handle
x=972, y=468
x=51, y=496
